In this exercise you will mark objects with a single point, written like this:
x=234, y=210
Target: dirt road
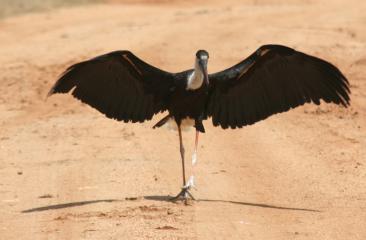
x=67, y=172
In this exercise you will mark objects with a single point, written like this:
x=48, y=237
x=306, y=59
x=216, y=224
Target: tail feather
x=162, y=121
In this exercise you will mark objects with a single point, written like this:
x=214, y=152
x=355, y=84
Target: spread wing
x=118, y=84
x=273, y=79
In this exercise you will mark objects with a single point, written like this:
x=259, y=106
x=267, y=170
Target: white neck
x=195, y=79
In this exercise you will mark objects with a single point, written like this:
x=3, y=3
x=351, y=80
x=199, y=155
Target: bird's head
x=201, y=60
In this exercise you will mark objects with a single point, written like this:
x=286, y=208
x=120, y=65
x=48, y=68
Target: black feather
x=273, y=79
x=119, y=85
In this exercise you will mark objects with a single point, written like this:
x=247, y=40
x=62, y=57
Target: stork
x=271, y=80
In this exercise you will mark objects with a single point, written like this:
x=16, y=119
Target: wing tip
x=50, y=93
x=66, y=82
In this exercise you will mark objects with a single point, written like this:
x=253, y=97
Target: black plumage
x=273, y=79
x=118, y=84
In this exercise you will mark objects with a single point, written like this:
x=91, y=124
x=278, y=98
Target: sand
x=67, y=172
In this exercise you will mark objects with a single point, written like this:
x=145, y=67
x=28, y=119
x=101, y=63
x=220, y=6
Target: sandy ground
x=67, y=172
x=15, y=7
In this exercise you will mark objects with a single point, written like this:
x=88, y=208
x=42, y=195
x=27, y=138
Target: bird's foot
x=184, y=195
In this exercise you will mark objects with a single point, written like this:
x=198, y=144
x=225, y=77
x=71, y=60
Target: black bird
x=271, y=80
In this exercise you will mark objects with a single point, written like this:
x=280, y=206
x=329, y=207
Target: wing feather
x=118, y=84
x=273, y=79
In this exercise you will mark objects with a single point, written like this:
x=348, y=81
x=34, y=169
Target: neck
x=195, y=79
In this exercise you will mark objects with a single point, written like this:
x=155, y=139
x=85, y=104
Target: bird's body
x=189, y=104
x=273, y=79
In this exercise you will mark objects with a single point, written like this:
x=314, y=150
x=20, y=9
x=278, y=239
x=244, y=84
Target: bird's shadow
x=68, y=205
x=167, y=198
x=163, y=198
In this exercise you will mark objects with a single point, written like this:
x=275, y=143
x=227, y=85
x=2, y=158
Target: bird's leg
x=194, y=158
x=181, y=148
x=184, y=193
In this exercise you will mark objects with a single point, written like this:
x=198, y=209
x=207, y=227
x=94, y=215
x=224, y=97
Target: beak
x=203, y=65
